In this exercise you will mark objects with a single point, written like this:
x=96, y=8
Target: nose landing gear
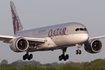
x=78, y=51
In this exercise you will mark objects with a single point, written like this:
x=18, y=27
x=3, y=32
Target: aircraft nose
x=84, y=37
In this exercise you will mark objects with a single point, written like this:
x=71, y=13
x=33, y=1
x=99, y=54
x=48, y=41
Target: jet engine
x=93, y=46
x=19, y=44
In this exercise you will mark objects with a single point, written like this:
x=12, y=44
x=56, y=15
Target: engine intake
x=19, y=44
x=93, y=46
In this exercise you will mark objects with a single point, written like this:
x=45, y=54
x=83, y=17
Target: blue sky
x=39, y=13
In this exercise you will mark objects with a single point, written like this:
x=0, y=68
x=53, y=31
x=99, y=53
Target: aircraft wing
x=98, y=37
x=8, y=39
x=36, y=40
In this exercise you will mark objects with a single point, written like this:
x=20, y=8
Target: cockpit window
x=80, y=29
x=85, y=29
x=77, y=29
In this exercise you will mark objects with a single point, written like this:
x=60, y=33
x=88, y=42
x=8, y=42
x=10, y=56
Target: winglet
x=17, y=26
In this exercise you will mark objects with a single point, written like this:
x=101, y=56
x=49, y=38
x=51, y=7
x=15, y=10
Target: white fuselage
x=58, y=36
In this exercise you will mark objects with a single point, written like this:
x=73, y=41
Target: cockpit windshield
x=80, y=29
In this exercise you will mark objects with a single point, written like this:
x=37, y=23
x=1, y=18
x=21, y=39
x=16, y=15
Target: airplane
x=60, y=36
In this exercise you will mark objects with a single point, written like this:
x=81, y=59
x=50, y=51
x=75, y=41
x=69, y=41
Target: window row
x=80, y=29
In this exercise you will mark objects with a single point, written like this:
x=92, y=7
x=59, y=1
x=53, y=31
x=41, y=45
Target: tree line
x=98, y=64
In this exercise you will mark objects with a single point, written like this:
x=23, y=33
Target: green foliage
x=96, y=60
x=98, y=64
x=68, y=67
x=4, y=62
x=21, y=63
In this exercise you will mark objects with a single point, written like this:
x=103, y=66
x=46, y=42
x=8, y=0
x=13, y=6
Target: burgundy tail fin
x=17, y=26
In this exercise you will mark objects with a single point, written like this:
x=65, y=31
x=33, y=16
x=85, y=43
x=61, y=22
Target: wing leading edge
x=98, y=37
x=8, y=39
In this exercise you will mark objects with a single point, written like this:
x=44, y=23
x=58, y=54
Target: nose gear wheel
x=78, y=52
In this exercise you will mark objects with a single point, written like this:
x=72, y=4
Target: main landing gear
x=27, y=56
x=63, y=56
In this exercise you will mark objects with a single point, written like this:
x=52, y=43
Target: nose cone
x=84, y=37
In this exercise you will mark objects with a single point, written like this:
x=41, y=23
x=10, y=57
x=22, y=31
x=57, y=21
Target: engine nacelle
x=93, y=46
x=19, y=44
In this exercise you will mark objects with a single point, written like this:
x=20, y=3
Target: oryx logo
x=16, y=22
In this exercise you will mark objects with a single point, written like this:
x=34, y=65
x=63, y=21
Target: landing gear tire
x=31, y=56
x=67, y=56
x=60, y=58
x=26, y=56
x=78, y=51
x=63, y=57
